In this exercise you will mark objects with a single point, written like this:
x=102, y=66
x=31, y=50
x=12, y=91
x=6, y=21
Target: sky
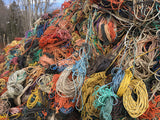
x=57, y=4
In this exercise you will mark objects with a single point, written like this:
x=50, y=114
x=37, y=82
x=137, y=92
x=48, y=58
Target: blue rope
x=39, y=31
x=66, y=111
x=80, y=67
x=79, y=72
x=118, y=75
x=59, y=69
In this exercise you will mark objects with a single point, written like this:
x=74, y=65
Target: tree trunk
x=4, y=42
x=7, y=40
x=46, y=5
x=36, y=9
x=29, y=13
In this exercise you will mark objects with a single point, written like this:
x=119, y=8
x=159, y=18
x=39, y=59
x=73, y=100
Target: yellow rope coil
x=136, y=107
x=87, y=94
x=125, y=83
x=35, y=95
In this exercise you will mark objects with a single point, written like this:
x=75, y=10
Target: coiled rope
x=65, y=86
x=15, y=82
x=136, y=107
x=34, y=99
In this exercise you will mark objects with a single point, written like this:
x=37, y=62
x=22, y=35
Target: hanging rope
x=125, y=83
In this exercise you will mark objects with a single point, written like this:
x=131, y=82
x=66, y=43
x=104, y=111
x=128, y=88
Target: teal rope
x=104, y=101
x=37, y=55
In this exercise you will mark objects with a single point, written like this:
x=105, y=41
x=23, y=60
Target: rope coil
x=136, y=107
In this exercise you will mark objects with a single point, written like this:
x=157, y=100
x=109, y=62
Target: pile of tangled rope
x=88, y=60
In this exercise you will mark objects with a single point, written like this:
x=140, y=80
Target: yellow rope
x=87, y=94
x=4, y=117
x=137, y=107
x=33, y=64
x=2, y=84
x=16, y=116
x=125, y=82
x=36, y=98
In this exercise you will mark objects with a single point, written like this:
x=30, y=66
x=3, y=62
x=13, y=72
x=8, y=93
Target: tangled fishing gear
x=95, y=59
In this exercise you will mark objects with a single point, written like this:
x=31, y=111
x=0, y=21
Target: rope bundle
x=4, y=106
x=118, y=76
x=51, y=36
x=14, y=84
x=138, y=105
x=60, y=102
x=104, y=100
x=64, y=85
x=125, y=83
x=105, y=27
x=87, y=60
x=43, y=82
x=141, y=67
x=89, y=110
x=153, y=110
x=34, y=99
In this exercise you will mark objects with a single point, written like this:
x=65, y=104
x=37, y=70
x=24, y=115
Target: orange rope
x=153, y=111
x=59, y=101
x=45, y=61
x=116, y=2
x=65, y=5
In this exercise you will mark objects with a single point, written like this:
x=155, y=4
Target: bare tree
x=46, y=5
x=29, y=13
